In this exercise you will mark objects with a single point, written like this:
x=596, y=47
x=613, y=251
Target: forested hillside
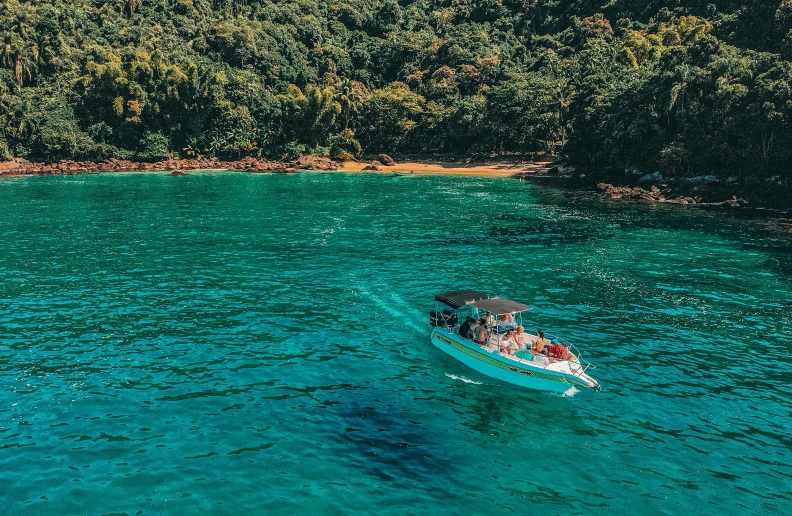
x=684, y=87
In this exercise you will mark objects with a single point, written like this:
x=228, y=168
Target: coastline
x=496, y=168
x=21, y=167
x=705, y=191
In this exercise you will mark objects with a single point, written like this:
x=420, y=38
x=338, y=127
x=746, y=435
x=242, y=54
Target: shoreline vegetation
x=682, y=88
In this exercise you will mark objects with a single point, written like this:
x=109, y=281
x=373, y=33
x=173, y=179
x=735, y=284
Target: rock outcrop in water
x=21, y=167
x=655, y=194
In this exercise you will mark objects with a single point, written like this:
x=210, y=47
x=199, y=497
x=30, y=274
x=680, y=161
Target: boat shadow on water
x=494, y=409
x=384, y=441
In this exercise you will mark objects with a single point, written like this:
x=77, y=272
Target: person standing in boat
x=482, y=333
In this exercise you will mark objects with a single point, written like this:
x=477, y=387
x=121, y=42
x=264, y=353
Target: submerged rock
x=656, y=195
x=655, y=178
x=702, y=179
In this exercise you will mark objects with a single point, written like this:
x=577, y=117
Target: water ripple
x=230, y=343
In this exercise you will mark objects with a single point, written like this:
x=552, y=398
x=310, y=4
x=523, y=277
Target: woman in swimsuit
x=540, y=345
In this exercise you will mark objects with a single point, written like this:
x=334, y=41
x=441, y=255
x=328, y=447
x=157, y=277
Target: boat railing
x=584, y=365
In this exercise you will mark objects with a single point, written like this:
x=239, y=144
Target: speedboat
x=490, y=358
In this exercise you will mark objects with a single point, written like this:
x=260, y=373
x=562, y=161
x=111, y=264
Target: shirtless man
x=482, y=334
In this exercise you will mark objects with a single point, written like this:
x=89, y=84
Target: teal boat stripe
x=497, y=363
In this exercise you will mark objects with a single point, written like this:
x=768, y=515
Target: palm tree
x=25, y=63
x=563, y=92
x=19, y=57
x=128, y=7
x=7, y=49
x=350, y=98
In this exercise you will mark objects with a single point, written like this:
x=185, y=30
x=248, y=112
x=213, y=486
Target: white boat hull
x=557, y=377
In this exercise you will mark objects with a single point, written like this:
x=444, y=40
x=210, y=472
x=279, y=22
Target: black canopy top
x=459, y=298
x=499, y=306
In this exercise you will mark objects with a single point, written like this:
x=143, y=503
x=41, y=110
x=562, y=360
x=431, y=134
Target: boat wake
x=462, y=378
x=407, y=319
x=570, y=392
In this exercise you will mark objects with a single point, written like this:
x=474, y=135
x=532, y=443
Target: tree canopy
x=681, y=86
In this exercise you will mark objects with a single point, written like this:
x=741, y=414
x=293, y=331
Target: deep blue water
x=225, y=343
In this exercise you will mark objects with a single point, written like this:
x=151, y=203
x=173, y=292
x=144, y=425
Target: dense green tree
x=686, y=87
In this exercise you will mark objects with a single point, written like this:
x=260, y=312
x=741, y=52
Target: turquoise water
x=236, y=344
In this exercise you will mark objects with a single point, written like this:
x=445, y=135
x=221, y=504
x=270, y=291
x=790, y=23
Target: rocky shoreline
x=773, y=193
x=21, y=167
x=667, y=195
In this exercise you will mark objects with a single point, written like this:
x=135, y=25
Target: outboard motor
x=449, y=317
x=445, y=318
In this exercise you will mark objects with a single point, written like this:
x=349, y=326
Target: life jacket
x=556, y=351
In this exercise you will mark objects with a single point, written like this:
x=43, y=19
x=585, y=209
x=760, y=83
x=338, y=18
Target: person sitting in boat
x=506, y=321
x=464, y=329
x=508, y=343
x=481, y=333
x=558, y=351
x=520, y=337
x=489, y=319
x=541, y=345
x=473, y=331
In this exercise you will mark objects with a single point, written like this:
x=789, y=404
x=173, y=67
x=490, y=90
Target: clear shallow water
x=231, y=343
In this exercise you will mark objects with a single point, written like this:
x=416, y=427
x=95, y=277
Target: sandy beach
x=458, y=168
x=503, y=168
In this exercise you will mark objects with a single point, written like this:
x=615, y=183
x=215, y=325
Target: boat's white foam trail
x=571, y=392
x=462, y=378
x=399, y=300
x=406, y=319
